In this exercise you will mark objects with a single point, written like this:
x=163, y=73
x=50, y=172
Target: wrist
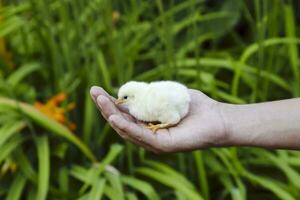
x=226, y=112
x=239, y=123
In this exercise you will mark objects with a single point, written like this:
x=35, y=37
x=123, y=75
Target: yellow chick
x=166, y=102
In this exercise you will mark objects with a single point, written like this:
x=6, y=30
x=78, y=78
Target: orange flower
x=57, y=99
x=52, y=109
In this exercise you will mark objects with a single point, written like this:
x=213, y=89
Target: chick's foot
x=155, y=127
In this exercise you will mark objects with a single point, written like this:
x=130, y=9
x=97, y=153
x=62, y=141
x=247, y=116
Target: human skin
x=210, y=123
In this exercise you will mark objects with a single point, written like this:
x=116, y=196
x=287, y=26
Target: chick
x=166, y=102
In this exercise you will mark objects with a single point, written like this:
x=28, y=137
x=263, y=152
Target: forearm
x=270, y=125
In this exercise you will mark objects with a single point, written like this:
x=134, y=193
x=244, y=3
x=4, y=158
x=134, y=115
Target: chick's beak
x=119, y=101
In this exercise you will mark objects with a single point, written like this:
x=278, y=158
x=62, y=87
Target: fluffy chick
x=166, y=102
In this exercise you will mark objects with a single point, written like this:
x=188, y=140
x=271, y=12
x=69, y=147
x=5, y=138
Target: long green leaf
x=115, y=182
x=97, y=189
x=16, y=188
x=270, y=185
x=43, y=168
x=201, y=172
x=291, y=32
x=47, y=123
x=8, y=130
x=251, y=49
x=170, y=182
x=98, y=168
x=141, y=186
x=22, y=72
x=169, y=171
x=10, y=146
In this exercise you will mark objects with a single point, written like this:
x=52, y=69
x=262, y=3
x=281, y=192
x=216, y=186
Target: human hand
x=203, y=126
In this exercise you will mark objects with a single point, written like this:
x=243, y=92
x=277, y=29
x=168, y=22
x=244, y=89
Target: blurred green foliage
x=234, y=51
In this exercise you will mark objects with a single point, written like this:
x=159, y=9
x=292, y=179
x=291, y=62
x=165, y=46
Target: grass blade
x=293, y=48
x=16, y=188
x=8, y=130
x=202, y=177
x=97, y=189
x=270, y=185
x=10, y=146
x=141, y=186
x=169, y=181
x=22, y=72
x=43, y=166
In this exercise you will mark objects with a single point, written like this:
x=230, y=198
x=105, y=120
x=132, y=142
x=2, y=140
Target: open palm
x=202, y=127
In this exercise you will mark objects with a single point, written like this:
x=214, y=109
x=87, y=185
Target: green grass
x=234, y=51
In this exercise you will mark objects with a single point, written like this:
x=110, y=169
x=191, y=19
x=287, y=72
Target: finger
x=107, y=107
x=97, y=91
x=134, y=131
x=101, y=111
x=94, y=92
x=132, y=140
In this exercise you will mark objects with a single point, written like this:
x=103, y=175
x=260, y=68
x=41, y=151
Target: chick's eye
x=125, y=97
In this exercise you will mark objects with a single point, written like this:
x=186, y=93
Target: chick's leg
x=155, y=127
x=167, y=120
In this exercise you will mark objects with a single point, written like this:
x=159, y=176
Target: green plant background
x=234, y=51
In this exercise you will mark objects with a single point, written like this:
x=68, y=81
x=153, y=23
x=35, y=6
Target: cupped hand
x=203, y=126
